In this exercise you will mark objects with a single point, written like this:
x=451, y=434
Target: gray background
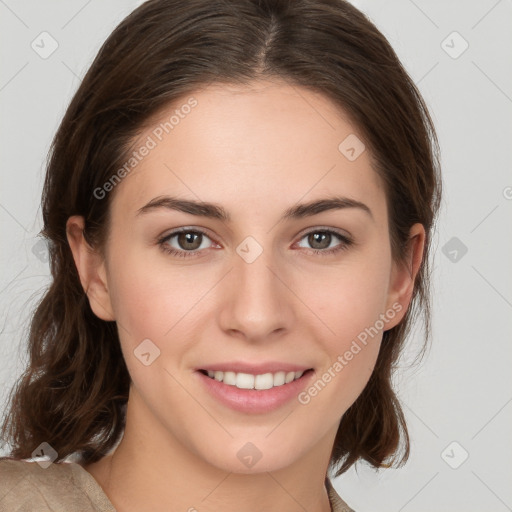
x=461, y=393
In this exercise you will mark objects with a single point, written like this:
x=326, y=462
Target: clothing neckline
x=100, y=499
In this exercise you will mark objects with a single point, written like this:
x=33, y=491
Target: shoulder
x=60, y=487
x=337, y=504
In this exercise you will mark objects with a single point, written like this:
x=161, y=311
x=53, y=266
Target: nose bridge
x=258, y=304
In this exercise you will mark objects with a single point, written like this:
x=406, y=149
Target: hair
x=73, y=393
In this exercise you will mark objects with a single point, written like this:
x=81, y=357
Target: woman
x=239, y=204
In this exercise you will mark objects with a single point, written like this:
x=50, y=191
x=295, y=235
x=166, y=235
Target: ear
x=91, y=269
x=403, y=275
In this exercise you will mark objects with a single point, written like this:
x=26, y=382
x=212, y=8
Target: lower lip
x=255, y=400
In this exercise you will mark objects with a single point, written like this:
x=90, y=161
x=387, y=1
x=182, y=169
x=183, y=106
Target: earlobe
x=404, y=274
x=91, y=269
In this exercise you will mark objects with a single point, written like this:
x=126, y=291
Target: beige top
x=68, y=487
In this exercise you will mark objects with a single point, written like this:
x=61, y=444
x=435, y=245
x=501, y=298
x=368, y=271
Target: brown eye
x=185, y=242
x=321, y=241
x=189, y=241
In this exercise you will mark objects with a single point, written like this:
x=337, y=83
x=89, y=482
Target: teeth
x=279, y=378
x=265, y=381
x=244, y=381
x=229, y=378
x=249, y=381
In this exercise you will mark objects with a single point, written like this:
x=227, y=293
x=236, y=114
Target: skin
x=256, y=150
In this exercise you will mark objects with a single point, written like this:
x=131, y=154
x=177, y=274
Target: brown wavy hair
x=74, y=392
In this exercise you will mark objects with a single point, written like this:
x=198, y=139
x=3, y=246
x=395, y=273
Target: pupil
x=320, y=238
x=185, y=240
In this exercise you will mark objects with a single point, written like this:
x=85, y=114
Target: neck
x=151, y=469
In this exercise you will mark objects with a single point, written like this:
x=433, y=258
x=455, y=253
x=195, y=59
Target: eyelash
x=162, y=242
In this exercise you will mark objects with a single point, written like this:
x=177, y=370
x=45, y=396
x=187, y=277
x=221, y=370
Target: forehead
x=264, y=144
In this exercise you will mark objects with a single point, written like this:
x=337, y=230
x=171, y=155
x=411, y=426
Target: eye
x=321, y=240
x=187, y=242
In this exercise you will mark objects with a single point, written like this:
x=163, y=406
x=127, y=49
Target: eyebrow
x=215, y=211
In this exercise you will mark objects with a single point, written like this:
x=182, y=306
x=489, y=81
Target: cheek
x=151, y=309
x=351, y=305
x=349, y=300
x=147, y=295
x=153, y=299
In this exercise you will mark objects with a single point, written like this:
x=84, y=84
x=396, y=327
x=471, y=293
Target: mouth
x=254, y=393
x=251, y=381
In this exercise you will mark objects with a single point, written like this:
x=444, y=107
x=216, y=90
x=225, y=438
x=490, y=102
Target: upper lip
x=254, y=368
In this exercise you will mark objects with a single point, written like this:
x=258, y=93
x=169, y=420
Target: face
x=256, y=283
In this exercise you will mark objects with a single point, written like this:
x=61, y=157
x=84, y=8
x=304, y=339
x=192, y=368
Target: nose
x=257, y=305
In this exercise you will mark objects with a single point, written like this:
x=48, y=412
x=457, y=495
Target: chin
x=248, y=460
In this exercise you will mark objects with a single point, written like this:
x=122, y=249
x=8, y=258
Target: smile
x=254, y=393
x=249, y=381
